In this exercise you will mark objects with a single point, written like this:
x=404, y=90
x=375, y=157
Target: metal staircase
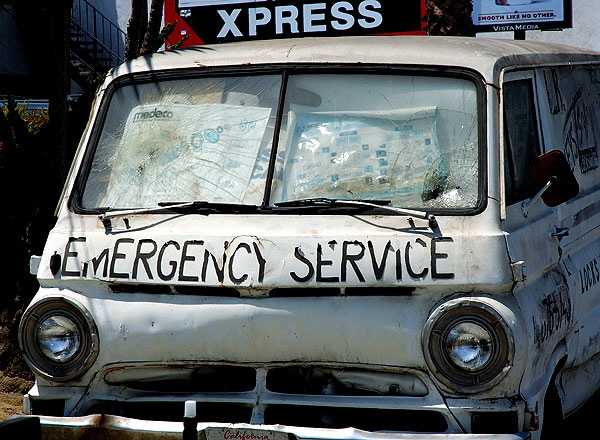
x=97, y=44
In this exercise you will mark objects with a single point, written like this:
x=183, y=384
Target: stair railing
x=97, y=28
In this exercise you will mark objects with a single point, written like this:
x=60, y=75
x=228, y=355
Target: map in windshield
x=186, y=152
x=359, y=156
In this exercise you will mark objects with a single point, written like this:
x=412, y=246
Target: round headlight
x=468, y=345
x=59, y=338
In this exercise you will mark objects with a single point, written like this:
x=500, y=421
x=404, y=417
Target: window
x=184, y=140
x=412, y=140
x=521, y=142
x=409, y=139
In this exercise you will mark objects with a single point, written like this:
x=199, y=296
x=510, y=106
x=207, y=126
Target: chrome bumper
x=121, y=428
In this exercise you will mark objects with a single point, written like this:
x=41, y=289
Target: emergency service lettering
x=238, y=262
x=328, y=270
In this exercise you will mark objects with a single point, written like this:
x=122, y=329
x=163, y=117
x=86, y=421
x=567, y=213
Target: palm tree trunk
x=151, y=43
x=136, y=28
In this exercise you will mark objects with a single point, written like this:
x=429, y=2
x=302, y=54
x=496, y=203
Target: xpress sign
x=231, y=20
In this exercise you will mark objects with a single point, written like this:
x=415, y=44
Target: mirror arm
x=527, y=203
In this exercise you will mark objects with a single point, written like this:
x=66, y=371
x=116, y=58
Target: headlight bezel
x=42, y=364
x=435, y=333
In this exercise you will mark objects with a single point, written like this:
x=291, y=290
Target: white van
x=338, y=238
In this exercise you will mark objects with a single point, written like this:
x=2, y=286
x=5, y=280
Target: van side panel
x=569, y=97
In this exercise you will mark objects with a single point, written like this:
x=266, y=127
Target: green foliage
x=449, y=17
x=34, y=118
x=144, y=35
x=166, y=31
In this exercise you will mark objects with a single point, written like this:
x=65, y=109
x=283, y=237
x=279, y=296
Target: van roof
x=487, y=56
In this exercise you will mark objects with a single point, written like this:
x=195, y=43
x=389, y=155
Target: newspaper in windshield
x=176, y=152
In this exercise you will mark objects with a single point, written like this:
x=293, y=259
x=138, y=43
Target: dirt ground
x=15, y=378
x=11, y=395
x=10, y=404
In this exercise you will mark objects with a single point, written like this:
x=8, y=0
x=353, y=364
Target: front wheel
x=552, y=422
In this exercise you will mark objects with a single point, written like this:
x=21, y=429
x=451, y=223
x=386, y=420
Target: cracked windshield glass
x=411, y=140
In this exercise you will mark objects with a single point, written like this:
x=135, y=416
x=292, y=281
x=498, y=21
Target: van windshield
x=409, y=139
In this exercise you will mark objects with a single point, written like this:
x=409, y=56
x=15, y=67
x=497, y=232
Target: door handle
x=560, y=232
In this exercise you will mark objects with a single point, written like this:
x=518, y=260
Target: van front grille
x=367, y=419
x=296, y=395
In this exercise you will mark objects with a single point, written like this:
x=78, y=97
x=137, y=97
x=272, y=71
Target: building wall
x=11, y=48
x=585, y=32
x=23, y=69
x=117, y=11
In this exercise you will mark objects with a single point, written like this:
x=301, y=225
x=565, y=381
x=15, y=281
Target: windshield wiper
x=186, y=207
x=215, y=207
x=325, y=201
x=378, y=204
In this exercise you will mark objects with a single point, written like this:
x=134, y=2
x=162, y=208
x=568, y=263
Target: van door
x=569, y=97
x=531, y=227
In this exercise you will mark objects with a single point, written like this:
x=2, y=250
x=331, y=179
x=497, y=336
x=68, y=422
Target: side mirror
x=553, y=172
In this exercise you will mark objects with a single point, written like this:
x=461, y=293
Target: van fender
x=546, y=382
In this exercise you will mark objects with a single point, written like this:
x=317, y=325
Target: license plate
x=244, y=434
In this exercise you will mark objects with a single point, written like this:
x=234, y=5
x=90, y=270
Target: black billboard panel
x=215, y=21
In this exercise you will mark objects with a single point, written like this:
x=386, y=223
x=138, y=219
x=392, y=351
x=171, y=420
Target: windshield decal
x=243, y=261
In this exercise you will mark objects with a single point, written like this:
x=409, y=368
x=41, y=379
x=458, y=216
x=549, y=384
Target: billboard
x=216, y=21
x=521, y=15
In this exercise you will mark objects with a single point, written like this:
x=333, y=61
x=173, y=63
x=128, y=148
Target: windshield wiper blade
x=378, y=204
x=108, y=214
x=203, y=205
x=196, y=206
x=325, y=201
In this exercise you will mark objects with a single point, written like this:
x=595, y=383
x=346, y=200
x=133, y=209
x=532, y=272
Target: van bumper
x=107, y=427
